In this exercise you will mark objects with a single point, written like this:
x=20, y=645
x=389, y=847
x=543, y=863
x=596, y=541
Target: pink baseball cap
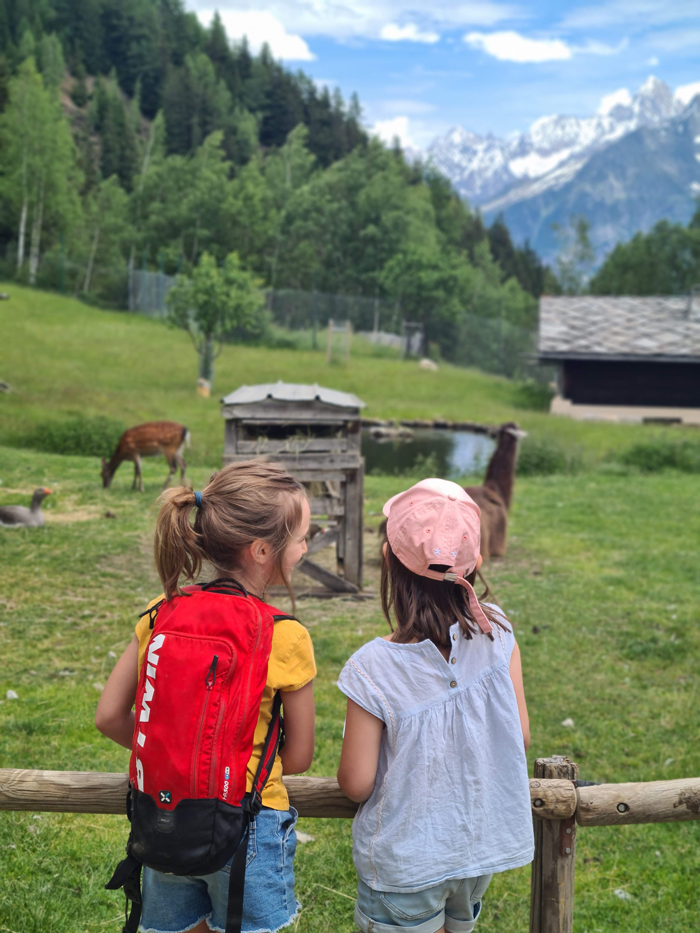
x=436, y=522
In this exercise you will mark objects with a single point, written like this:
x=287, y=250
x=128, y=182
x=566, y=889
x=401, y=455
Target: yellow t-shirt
x=291, y=667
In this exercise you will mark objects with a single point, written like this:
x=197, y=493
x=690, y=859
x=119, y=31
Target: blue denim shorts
x=176, y=903
x=452, y=904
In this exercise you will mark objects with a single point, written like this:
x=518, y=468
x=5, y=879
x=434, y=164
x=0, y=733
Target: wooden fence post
x=552, y=891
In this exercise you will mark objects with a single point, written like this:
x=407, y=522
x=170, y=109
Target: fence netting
x=492, y=344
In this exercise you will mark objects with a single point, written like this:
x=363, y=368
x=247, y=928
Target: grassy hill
x=62, y=357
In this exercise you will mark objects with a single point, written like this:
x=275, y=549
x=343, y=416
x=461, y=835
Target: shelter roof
x=626, y=327
x=292, y=392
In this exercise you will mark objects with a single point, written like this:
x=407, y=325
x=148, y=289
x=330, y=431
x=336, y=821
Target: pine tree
x=79, y=91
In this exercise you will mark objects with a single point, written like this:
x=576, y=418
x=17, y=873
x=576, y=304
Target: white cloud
x=408, y=33
x=510, y=46
x=388, y=130
x=365, y=19
x=653, y=61
x=686, y=92
x=261, y=27
x=610, y=101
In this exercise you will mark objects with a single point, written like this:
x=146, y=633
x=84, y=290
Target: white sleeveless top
x=451, y=797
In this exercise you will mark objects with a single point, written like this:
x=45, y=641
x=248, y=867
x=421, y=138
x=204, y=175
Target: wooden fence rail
x=558, y=806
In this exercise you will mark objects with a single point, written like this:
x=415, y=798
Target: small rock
x=657, y=854
x=568, y=723
x=110, y=514
x=622, y=894
x=428, y=364
x=33, y=673
x=11, y=695
x=98, y=686
x=304, y=837
x=111, y=654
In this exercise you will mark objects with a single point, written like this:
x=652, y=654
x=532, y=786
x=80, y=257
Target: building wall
x=603, y=382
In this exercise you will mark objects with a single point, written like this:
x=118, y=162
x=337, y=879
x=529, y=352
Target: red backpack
x=197, y=706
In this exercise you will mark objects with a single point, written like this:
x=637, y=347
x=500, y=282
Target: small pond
x=451, y=453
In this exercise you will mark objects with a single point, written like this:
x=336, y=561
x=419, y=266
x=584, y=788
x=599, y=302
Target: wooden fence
x=558, y=806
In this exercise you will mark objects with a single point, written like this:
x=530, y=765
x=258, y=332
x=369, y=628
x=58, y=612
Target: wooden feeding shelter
x=315, y=433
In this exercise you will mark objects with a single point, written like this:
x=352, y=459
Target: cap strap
x=474, y=603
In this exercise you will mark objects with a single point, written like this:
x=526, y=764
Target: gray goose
x=19, y=516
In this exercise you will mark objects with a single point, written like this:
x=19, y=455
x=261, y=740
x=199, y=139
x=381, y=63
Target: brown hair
x=426, y=608
x=242, y=503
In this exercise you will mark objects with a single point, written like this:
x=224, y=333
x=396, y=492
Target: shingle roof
x=625, y=327
x=292, y=392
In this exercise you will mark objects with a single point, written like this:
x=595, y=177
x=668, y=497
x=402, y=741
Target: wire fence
x=491, y=344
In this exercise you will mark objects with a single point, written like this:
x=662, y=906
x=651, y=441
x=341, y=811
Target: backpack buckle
x=252, y=803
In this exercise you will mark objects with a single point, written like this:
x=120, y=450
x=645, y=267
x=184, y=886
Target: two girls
x=436, y=729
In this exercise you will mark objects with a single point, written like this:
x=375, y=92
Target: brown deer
x=494, y=497
x=147, y=440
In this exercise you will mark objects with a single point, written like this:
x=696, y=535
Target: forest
x=131, y=135
x=664, y=261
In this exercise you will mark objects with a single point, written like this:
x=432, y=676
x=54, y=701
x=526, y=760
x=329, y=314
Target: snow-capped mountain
x=484, y=168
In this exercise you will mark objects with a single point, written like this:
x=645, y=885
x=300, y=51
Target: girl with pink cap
x=436, y=729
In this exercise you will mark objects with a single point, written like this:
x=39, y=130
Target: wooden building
x=316, y=434
x=624, y=358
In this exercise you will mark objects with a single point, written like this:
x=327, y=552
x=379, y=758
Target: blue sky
x=421, y=67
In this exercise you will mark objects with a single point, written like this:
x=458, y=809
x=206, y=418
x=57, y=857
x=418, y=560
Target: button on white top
x=451, y=495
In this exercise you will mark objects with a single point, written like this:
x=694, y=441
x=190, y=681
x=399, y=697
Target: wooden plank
x=319, y=476
x=230, y=437
x=312, y=461
x=328, y=505
x=293, y=445
x=104, y=792
x=354, y=495
x=318, y=422
x=651, y=802
x=321, y=540
x=321, y=575
x=271, y=410
x=553, y=868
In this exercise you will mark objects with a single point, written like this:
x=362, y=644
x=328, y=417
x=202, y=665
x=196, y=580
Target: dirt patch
x=85, y=514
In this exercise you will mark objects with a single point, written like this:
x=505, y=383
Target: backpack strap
x=252, y=804
x=127, y=875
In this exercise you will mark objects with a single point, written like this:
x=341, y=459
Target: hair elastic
x=198, y=500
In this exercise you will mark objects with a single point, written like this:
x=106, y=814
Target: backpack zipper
x=246, y=695
x=214, y=768
x=209, y=682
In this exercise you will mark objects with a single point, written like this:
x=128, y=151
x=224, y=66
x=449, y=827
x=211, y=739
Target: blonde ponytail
x=242, y=503
x=176, y=549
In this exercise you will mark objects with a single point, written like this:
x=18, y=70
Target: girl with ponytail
x=250, y=525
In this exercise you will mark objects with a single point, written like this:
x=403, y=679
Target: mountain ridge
x=533, y=178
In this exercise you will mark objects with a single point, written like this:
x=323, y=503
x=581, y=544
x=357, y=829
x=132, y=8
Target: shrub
x=534, y=396
x=543, y=456
x=79, y=435
x=664, y=453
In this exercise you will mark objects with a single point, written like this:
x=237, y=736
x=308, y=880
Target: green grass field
x=602, y=564
x=63, y=357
